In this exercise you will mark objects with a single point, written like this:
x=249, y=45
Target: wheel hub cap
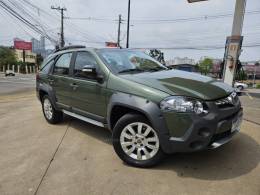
x=47, y=108
x=139, y=141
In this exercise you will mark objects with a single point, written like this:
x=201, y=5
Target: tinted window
x=83, y=59
x=62, y=65
x=46, y=68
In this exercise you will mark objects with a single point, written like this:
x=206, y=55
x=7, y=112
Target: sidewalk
x=253, y=90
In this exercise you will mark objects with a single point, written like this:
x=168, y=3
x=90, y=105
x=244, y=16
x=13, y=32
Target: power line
x=189, y=19
x=160, y=21
x=16, y=15
x=72, y=27
x=206, y=47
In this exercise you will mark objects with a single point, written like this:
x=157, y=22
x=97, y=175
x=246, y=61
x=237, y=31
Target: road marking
x=249, y=96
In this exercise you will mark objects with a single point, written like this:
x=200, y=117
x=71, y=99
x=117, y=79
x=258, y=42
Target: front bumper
x=203, y=132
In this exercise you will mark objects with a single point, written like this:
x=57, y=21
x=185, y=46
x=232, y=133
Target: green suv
x=150, y=109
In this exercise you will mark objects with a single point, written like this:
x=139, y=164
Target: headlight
x=182, y=104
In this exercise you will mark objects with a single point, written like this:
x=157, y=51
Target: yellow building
x=30, y=57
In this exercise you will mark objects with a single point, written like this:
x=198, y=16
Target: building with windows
x=38, y=46
x=25, y=56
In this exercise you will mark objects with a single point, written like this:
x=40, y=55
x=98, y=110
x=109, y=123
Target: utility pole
x=119, y=30
x=128, y=24
x=62, y=42
x=234, y=43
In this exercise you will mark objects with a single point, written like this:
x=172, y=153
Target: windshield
x=125, y=61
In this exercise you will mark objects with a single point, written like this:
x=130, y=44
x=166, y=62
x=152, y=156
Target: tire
x=240, y=87
x=52, y=115
x=139, y=142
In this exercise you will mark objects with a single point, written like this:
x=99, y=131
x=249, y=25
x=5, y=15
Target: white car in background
x=9, y=73
x=240, y=86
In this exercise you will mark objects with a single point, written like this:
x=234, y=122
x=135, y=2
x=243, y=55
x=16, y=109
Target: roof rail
x=69, y=47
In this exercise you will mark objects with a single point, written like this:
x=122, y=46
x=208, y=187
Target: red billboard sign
x=23, y=45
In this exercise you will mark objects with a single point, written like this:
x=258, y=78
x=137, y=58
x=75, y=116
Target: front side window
x=62, y=65
x=84, y=59
x=122, y=61
x=46, y=68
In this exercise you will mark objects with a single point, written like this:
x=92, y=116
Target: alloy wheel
x=47, y=108
x=139, y=141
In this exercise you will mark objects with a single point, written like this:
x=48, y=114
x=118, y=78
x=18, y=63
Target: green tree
x=205, y=66
x=241, y=75
x=7, y=56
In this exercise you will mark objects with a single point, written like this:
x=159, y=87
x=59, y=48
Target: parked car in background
x=240, y=85
x=150, y=109
x=9, y=73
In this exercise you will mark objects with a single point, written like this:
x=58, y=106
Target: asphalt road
x=18, y=83
x=75, y=157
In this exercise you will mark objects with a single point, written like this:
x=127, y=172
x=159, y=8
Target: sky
x=154, y=24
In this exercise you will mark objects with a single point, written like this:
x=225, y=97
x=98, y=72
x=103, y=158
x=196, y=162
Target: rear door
x=60, y=80
x=89, y=96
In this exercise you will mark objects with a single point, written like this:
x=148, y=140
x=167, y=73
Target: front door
x=60, y=80
x=89, y=96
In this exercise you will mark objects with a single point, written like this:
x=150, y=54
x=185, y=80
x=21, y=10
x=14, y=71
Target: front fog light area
x=182, y=104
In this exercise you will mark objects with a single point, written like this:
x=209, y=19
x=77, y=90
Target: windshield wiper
x=156, y=69
x=131, y=70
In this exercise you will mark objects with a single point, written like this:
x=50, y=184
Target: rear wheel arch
x=47, y=90
x=42, y=93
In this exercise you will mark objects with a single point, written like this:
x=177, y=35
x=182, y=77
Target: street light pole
x=128, y=24
x=234, y=43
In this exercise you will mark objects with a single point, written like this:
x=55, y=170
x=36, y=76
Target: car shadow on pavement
x=99, y=133
x=234, y=159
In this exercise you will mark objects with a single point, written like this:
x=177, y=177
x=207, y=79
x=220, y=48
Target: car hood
x=176, y=82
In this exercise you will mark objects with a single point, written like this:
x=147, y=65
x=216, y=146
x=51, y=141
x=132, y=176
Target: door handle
x=74, y=86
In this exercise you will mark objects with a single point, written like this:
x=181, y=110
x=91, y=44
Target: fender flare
x=150, y=109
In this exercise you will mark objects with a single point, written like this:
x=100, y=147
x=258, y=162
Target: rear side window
x=62, y=65
x=46, y=68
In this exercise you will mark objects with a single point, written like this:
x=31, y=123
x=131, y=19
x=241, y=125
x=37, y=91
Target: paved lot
x=251, y=107
x=77, y=158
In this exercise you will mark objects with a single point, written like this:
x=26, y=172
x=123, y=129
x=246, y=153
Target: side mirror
x=100, y=78
x=89, y=69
